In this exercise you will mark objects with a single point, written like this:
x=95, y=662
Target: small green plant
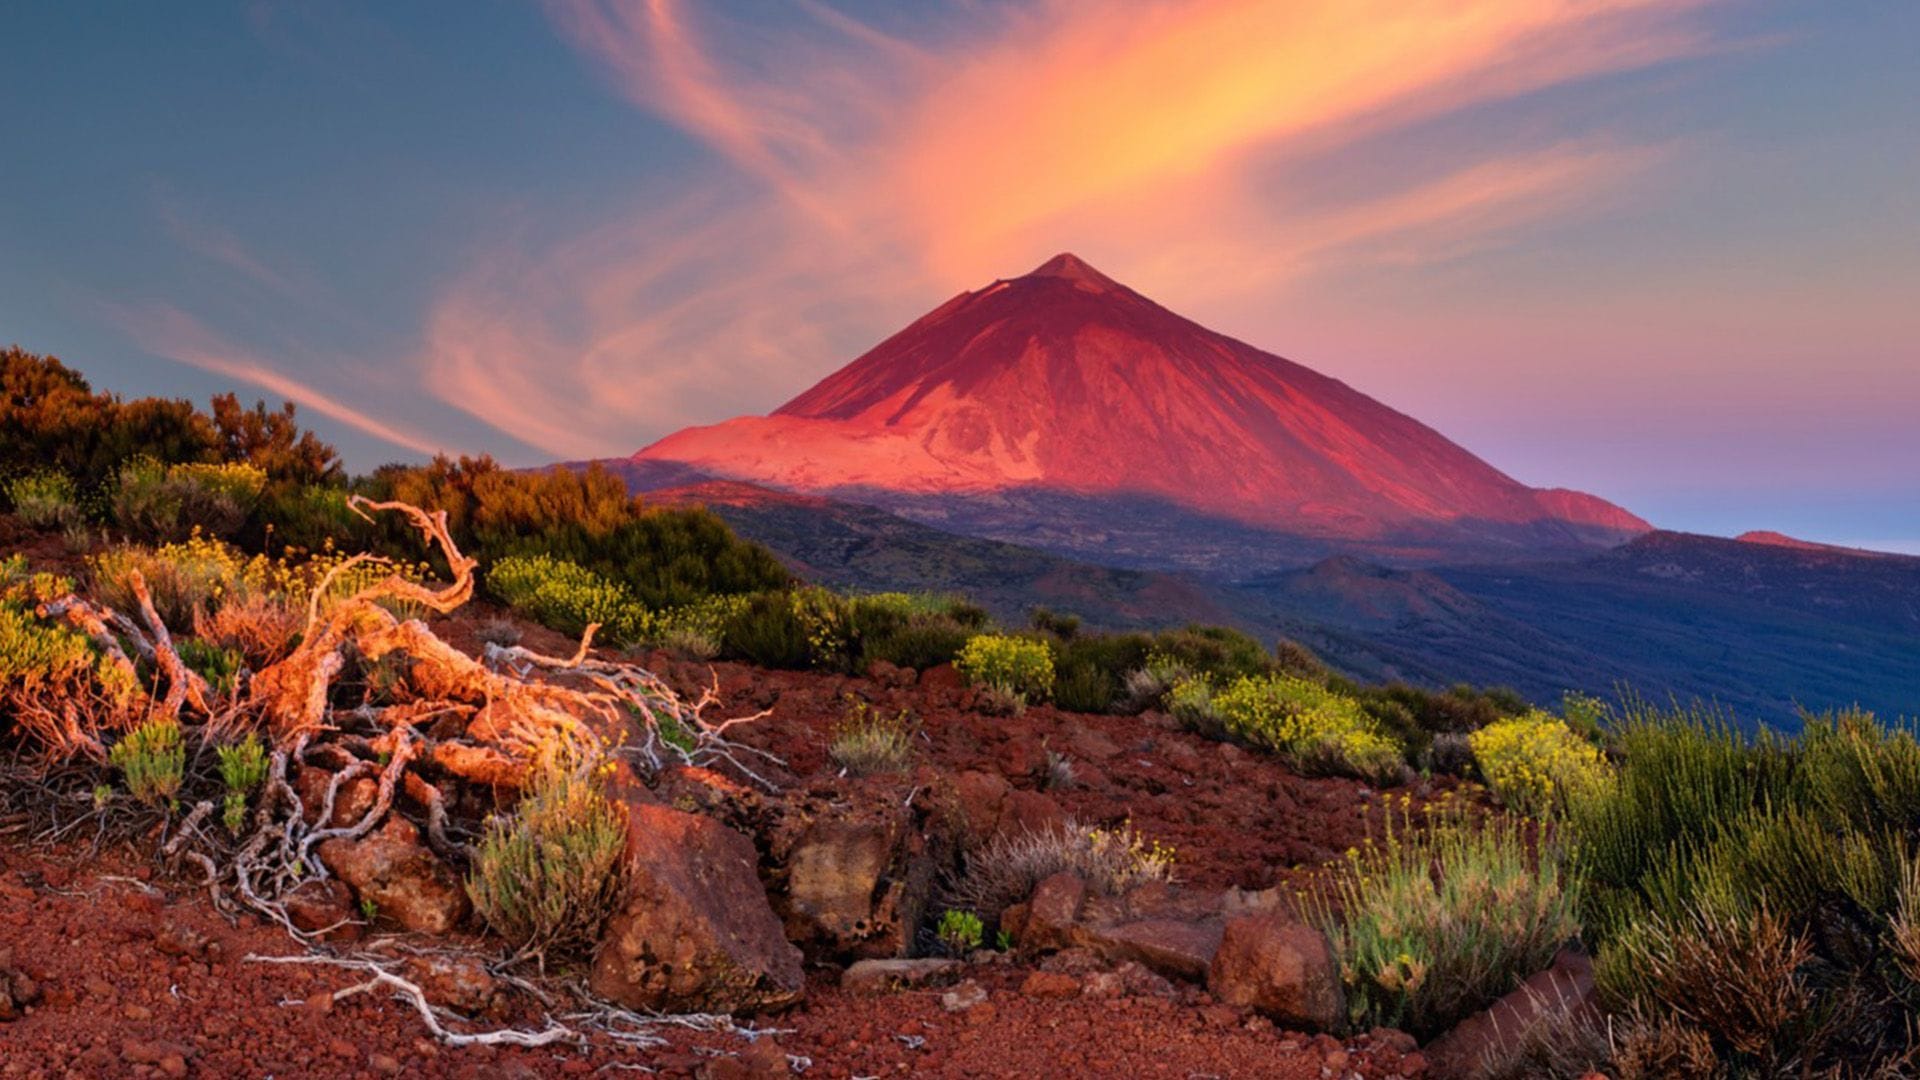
x=1317, y=729
x=1437, y=922
x=153, y=760
x=547, y=875
x=867, y=741
x=369, y=909
x=219, y=666
x=243, y=765
x=233, y=812
x=960, y=932
x=1536, y=763
x=45, y=500
x=1015, y=669
x=102, y=796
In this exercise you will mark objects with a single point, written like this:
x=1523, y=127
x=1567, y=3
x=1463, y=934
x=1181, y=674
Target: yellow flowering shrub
x=566, y=596
x=1317, y=729
x=1536, y=763
x=1019, y=667
x=201, y=573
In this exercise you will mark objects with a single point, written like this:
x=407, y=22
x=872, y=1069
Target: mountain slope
x=1063, y=385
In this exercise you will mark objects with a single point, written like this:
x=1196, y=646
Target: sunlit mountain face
x=1065, y=398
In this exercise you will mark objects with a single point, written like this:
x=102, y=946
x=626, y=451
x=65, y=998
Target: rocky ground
x=110, y=967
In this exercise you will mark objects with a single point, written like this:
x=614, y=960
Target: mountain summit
x=1065, y=384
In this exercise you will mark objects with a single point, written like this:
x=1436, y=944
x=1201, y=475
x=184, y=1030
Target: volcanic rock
x=695, y=932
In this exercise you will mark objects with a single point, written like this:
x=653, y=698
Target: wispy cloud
x=167, y=331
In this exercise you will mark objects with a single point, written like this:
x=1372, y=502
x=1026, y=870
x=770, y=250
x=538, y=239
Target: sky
x=1666, y=251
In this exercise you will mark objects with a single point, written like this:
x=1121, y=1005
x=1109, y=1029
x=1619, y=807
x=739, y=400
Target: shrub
x=262, y=628
x=1536, y=763
x=1006, y=870
x=53, y=686
x=565, y=596
x=153, y=760
x=1091, y=669
x=1438, y=923
x=1752, y=893
x=1191, y=702
x=1219, y=653
x=1316, y=729
x=867, y=740
x=768, y=632
x=45, y=500
x=156, y=502
x=1020, y=668
x=960, y=932
x=182, y=579
x=1683, y=776
x=918, y=641
x=664, y=558
x=547, y=876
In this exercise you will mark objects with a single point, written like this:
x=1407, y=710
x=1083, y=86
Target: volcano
x=1061, y=407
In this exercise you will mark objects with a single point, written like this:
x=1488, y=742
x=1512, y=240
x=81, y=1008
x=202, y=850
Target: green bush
x=45, y=500
x=547, y=876
x=156, y=502
x=1091, y=669
x=665, y=558
x=1219, y=653
x=152, y=758
x=1758, y=893
x=768, y=632
x=919, y=642
x=1020, y=668
x=1438, y=923
x=566, y=597
x=1317, y=730
x=1536, y=764
x=50, y=418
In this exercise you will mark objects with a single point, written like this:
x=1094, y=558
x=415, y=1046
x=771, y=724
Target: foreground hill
x=1064, y=409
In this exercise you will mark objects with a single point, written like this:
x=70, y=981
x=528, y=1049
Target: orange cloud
x=858, y=175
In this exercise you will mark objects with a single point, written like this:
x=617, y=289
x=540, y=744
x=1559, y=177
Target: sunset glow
x=1597, y=243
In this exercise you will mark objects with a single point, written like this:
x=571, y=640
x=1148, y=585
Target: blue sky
x=1665, y=252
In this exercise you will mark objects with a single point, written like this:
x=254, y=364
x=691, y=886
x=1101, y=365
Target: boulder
x=1051, y=913
x=1176, y=948
x=404, y=881
x=852, y=868
x=887, y=976
x=1557, y=998
x=1283, y=969
x=695, y=932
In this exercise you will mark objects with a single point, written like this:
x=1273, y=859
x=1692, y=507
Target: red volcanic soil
x=138, y=976
x=1066, y=380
